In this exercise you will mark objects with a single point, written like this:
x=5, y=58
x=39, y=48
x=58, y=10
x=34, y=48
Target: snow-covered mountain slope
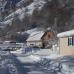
x=41, y=13
x=24, y=10
x=28, y=10
x=37, y=4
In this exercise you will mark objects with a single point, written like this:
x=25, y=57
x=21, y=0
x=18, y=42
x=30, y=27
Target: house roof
x=65, y=34
x=36, y=36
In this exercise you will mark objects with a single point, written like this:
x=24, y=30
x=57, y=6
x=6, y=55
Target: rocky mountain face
x=21, y=15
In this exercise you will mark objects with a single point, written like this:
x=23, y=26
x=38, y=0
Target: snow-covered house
x=39, y=39
x=66, y=42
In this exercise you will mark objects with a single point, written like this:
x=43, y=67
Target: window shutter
x=73, y=41
x=70, y=41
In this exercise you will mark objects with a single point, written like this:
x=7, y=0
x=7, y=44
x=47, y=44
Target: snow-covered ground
x=51, y=65
x=34, y=55
x=6, y=64
x=58, y=65
x=53, y=62
x=29, y=59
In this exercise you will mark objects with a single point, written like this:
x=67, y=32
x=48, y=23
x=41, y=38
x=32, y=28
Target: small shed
x=38, y=39
x=66, y=43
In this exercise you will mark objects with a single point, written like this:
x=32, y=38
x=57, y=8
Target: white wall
x=34, y=43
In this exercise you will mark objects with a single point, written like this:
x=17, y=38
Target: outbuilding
x=39, y=39
x=66, y=43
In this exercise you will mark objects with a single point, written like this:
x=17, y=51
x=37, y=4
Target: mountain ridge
x=27, y=14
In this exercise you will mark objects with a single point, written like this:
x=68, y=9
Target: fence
x=11, y=45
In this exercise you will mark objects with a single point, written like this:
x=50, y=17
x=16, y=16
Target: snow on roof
x=34, y=33
x=29, y=31
x=65, y=34
x=35, y=36
x=32, y=30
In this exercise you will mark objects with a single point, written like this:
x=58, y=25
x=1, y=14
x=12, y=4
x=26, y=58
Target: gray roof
x=36, y=36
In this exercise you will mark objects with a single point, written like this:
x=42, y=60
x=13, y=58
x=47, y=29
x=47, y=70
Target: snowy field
x=7, y=65
x=37, y=62
x=53, y=64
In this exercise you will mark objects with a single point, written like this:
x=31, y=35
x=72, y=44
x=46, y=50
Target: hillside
x=21, y=15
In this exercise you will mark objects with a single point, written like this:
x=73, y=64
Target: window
x=32, y=44
x=70, y=41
